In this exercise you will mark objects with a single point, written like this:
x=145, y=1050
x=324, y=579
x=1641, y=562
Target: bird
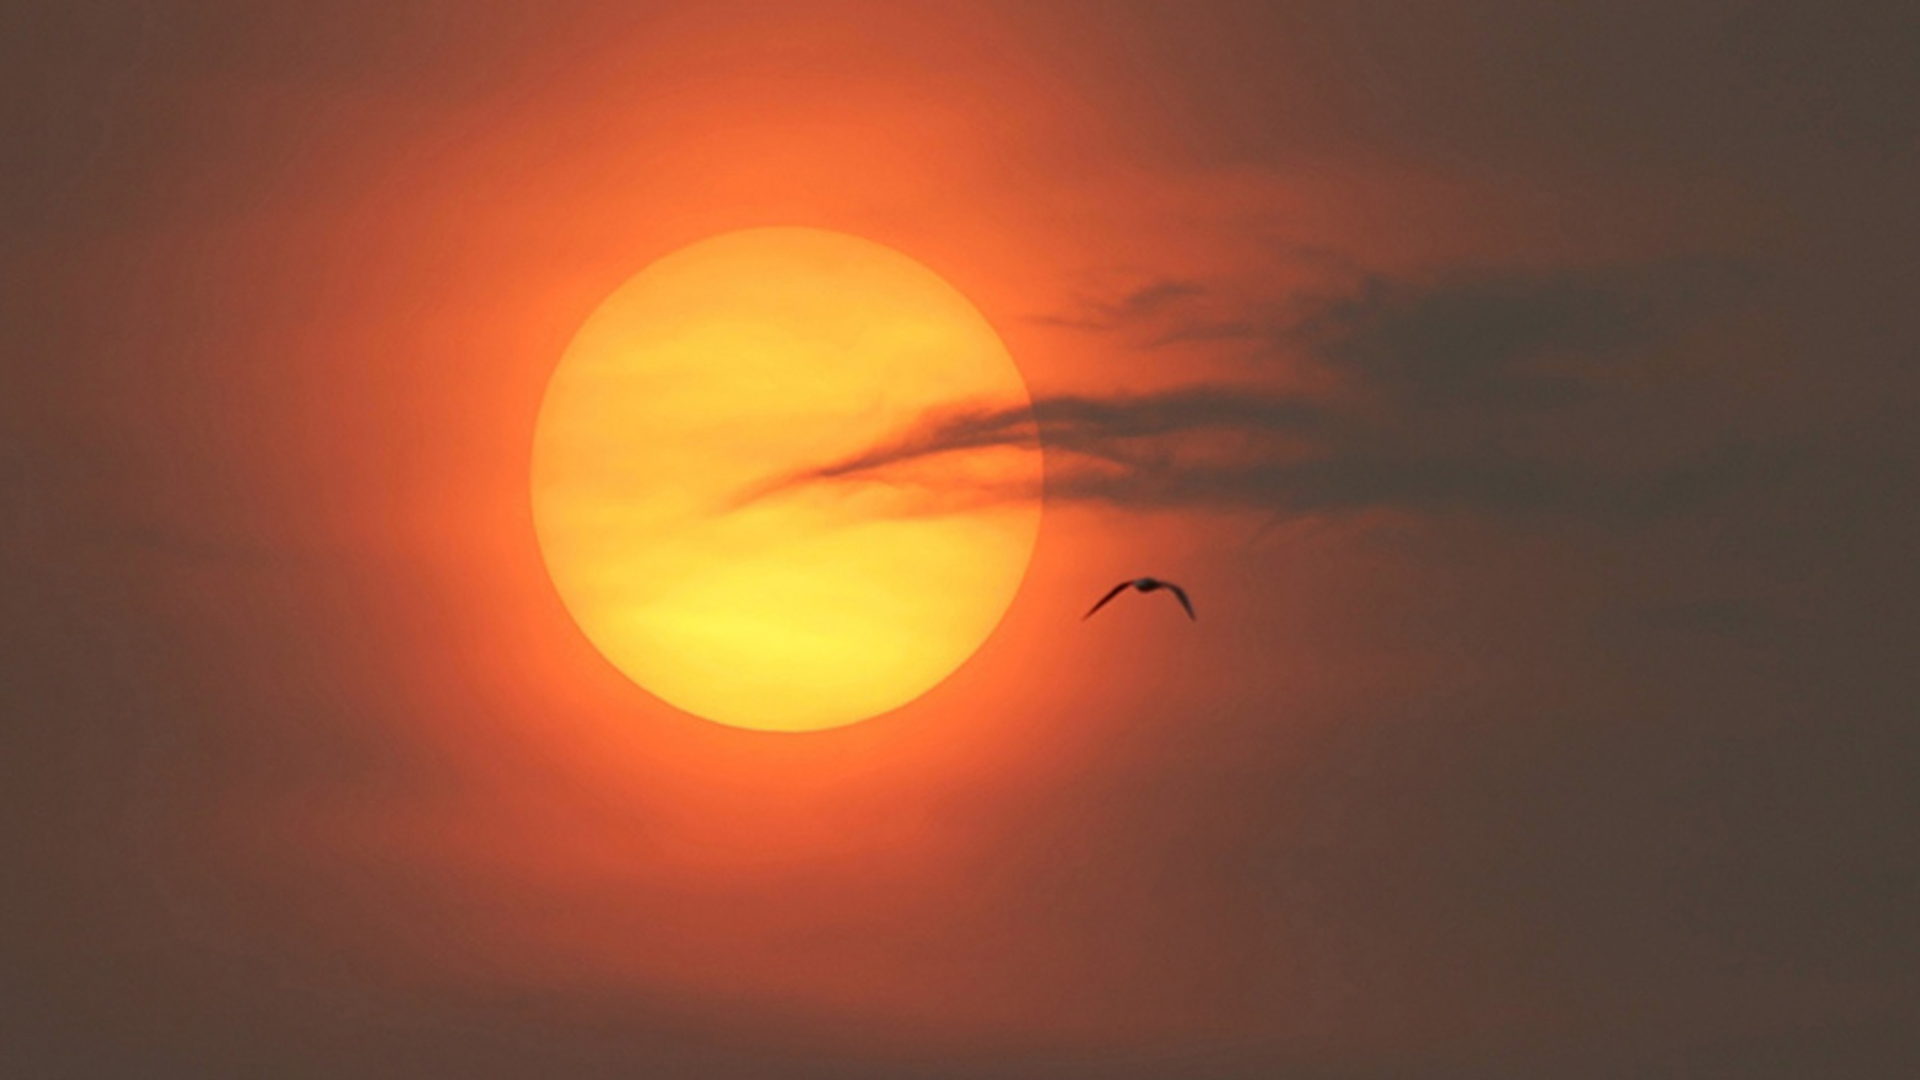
x=1145, y=584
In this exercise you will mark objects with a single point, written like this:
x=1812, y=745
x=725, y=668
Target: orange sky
x=1461, y=764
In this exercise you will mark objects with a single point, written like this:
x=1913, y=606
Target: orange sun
x=743, y=358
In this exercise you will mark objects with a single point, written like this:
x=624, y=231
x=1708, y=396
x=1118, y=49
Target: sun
x=745, y=358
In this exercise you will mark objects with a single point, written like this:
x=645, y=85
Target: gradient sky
x=1525, y=392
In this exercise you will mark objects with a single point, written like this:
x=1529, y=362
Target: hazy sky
x=1524, y=392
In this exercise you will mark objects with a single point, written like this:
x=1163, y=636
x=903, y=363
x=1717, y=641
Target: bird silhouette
x=1145, y=584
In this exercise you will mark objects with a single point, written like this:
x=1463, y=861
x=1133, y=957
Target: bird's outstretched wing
x=1116, y=591
x=1184, y=602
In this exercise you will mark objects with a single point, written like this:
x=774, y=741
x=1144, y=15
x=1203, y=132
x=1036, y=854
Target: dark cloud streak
x=1144, y=301
x=1434, y=373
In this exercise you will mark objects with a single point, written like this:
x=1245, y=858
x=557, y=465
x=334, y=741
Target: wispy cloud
x=1139, y=303
x=1434, y=375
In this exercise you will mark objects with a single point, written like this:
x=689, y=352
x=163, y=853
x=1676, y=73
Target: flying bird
x=1145, y=584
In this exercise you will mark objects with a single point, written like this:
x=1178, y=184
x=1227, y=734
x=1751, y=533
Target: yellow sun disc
x=736, y=362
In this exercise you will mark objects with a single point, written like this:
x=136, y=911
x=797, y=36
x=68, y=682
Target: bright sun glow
x=744, y=358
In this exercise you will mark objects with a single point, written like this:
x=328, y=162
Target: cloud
x=1435, y=379
x=1469, y=335
x=1221, y=448
x=1142, y=302
x=1477, y=336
